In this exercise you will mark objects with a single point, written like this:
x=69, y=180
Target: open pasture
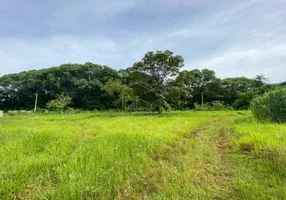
x=178, y=155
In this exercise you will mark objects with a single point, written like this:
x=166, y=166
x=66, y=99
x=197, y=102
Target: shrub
x=59, y=104
x=271, y=106
x=13, y=112
x=202, y=107
x=25, y=112
x=19, y=112
x=213, y=106
x=244, y=101
x=72, y=111
x=218, y=105
x=41, y=110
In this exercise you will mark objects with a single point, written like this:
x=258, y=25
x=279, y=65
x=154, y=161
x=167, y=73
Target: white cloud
x=15, y=54
x=267, y=60
x=216, y=23
x=235, y=38
x=249, y=37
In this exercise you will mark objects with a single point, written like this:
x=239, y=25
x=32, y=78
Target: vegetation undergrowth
x=259, y=158
x=271, y=106
x=262, y=139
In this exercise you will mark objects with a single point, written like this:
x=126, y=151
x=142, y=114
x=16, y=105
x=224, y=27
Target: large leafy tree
x=179, y=94
x=121, y=94
x=245, y=98
x=159, y=65
x=233, y=88
x=82, y=82
x=156, y=80
x=152, y=74
x=203, y=82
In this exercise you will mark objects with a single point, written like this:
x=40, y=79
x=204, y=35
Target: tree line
x=156, y=83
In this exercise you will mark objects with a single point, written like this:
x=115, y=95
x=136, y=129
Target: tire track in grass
x=49, y=177
x=225, y=178
x=197, y=167
x=217, y=135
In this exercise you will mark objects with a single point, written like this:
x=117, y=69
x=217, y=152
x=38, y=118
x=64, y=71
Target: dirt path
x=203, y=165
x=213, y=141
x=198, y=166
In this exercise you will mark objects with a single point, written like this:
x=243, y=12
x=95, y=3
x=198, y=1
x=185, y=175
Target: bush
x=218, y=105
x=271, y=106
x=19, y=112
x=41, y=110
x=202, y=107
x=59, y=104
x=13, y=112
x=213, y=106
x=244, y=101
x=25, y=112
x=73, y=111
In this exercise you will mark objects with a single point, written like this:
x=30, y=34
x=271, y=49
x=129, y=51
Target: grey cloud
x=233, y=37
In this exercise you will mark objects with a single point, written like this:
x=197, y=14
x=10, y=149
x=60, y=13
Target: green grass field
x=178, y=155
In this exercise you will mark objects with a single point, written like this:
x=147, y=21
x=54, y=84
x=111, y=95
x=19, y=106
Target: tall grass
x=96, y=155
x=266, y=140
x=260, y=159
x=179, y=155
x=271, y=106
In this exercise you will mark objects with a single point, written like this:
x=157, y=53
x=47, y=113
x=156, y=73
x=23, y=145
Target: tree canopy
x=82, y=83
x=154, y=83
x=152, y=74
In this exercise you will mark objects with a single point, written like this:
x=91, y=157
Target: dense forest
x=157, y=82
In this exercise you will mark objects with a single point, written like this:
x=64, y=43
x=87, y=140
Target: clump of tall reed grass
x=271, y=106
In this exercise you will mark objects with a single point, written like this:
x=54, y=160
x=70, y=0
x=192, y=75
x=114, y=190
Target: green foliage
x=219, y=105
x=59, y=104
x=271, y=106
x=150, y=76
x=73, y=111
x=13, y=112
x=213, y=106
x=232, y=88
x=121, y=94
x=204, y=84
x=178, y=155
x=264, y=140
x=19, y=112
x=74, y=156
x=244, y=100
x=202, y=107
x=156, y=80
x=159, y=65
x=82, y=82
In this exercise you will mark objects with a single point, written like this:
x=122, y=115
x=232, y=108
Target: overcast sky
x=234, y=38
